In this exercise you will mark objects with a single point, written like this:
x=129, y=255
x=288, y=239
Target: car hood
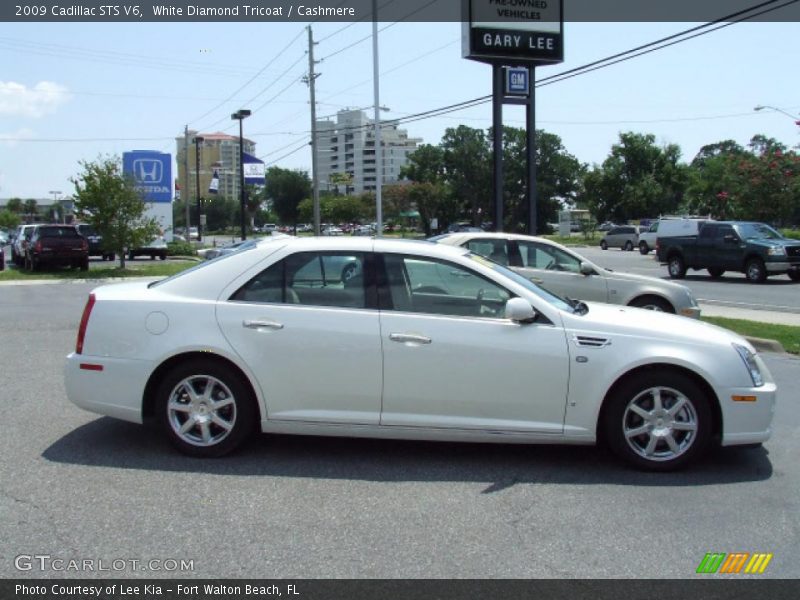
x=610, y=319
x=765, y=243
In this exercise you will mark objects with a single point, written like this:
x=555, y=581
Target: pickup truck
x=755, y=249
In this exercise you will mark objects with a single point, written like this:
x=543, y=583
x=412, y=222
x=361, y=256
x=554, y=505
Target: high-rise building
x=218, y=151
x=346, y=152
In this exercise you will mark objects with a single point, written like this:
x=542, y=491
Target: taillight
x=37, y=247
x=87, y=310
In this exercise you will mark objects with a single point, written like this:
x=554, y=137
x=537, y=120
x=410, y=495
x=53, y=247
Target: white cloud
x=19, y=100
x=12, y=139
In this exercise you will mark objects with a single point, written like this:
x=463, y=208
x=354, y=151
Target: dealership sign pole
x=514, y=37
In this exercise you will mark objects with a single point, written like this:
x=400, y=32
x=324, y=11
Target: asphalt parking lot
x=79, y=486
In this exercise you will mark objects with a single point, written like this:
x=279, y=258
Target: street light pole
x=197, y=141
x=794, y=118
x=240, y=115
x=56, y=194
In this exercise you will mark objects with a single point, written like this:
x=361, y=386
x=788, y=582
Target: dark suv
x=95, y=242
x=56, y=245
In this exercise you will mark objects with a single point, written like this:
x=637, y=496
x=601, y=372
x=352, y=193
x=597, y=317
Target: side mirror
x=520, y=311
x=586, y=269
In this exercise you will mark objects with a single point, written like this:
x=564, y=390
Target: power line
x=249, y=81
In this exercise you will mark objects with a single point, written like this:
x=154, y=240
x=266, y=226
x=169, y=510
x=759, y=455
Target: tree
x=638, y=179
x=287, y=189
x=468, y=170
x=15, y=205
x=9, y=220
x=107, y=199
x=31, y=208
x=433, y=200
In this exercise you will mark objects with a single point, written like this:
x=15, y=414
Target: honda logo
x=147, y=170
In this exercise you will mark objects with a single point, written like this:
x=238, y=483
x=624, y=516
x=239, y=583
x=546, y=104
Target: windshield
x=542, y=293
x=757, y=231
x=249, y=244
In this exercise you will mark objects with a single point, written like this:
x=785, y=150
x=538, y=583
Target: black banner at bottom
x=397, y=589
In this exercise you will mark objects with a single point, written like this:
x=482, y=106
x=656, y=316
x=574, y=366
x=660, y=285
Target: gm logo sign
x=151, y=173
x=147, y=171
x=734, y=563
x=517, y=82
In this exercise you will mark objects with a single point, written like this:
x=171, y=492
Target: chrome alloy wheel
x=660, y=424
x=201, y=410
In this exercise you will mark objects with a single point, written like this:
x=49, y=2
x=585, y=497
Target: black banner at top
x=144, y=11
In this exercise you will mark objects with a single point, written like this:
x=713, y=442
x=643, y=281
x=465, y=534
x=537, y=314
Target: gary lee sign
x=518, y=31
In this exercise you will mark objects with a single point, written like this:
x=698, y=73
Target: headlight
x=752, y=366
x=692, y=299
x=776, y=251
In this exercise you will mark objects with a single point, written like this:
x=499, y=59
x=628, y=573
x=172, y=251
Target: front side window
x=493, y=249
x=543, y=256
x=309, y=278
x=427, y=285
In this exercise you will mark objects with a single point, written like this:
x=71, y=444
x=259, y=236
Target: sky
x=72, y=92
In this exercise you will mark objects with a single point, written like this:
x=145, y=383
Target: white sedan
x=424, y=342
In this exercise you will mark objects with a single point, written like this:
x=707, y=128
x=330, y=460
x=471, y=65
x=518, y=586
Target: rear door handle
x=262, y=325
x=409, y=338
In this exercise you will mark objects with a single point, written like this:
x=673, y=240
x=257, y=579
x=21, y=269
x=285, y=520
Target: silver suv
x=621, y=236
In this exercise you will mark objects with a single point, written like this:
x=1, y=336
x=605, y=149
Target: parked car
x=21, y=237
x=607, y=226
x=157, y=248
x=56, y=245
x=625, y=237
x=432, y=342
x=332, y=231
x=566, y=273
x=95, y=241
x=232, y=247
x=668, y=227
x=755, y=249
x=194, y=234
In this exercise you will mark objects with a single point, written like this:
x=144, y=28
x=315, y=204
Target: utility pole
x=197, y=141
x=378, y=143
x=185, y=183
x=309, y=79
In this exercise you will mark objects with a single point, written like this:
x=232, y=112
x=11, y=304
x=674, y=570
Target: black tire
x=603, y=245
x=676, y=266
x=643, y=248
x=794, y=275
x=716, y=272
x=653, y=303
x=84, y=264
x=755, y=271
x=690, y=428
x=162, y=256
x=628, y=246
x=131, y=255
x=152, y=257
x=240, y=413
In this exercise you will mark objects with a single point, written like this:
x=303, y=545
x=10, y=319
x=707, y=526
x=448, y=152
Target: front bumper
x=782, y=267
x=748, y=418
x=693, y=312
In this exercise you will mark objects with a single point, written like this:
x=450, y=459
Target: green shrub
x=791, y=233
x=180, y=249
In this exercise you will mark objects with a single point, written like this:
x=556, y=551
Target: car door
x=311, y=336
x=728, y=252
x=452, y=361
x=559, y=272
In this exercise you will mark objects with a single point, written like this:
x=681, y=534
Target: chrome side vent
x=588, y=341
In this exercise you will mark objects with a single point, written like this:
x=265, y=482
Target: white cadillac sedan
x=566, y=273
x=424, y=342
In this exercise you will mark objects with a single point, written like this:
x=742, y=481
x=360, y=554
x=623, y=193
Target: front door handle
x=536, y=280
x=262, y=325
x=409, y=338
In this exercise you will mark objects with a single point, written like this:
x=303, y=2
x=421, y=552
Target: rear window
x=58, y=232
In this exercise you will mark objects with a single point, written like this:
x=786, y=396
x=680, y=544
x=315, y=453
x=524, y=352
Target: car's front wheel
x=205, y=409
x=653, y=303
x=643, y=248
x=755, y=271
x=629, y=246
x=658, y=421
x=603, y=245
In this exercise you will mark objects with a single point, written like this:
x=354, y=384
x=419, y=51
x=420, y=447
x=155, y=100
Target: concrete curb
x=764, y=345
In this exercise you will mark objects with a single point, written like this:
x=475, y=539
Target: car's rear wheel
x=794, y=275
x=84, y=264
x=603, y=245
x=643, y=248
x=205, y=409
x=716, y=272
x=676, y=267
x=755, y=271
x=653, y=303
x=658, y=421
x=162, y=256
x=629, y=246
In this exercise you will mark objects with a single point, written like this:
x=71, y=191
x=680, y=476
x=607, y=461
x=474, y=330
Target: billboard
x=254, y=170
x=513, y=31
x=151, y=172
